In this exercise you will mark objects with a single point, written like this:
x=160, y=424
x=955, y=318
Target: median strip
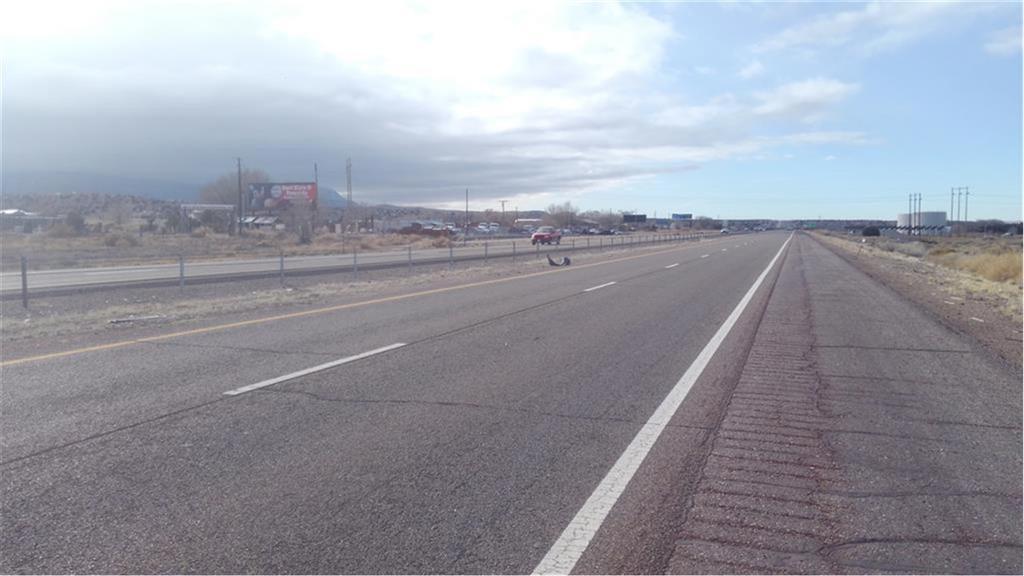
x=574, y=540
x=312, y=370
x=599, y=286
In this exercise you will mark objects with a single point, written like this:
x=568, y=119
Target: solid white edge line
x=311, y=370
x=672, y=265
x=569, y=547
x=599, y=286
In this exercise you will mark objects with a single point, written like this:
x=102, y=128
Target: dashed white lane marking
x=725, y=249
x=308, y=371
x=977, y=319
x=705, y=255
x=569, y=547
x=672, y=265
x=599, y=286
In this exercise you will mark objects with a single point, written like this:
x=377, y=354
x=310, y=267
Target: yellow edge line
x=335, y=308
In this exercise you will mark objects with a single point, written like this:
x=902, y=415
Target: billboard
x=634, y=218
x=678, y=217
x=279, y=195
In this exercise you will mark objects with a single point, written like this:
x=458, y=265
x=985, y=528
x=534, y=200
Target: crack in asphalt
x=444, y=403
x=885, y=349
x=241, y=349
x=919, y=493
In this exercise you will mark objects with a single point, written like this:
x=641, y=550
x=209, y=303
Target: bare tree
x=562, y=215
x=606, y=220
x=224, y=190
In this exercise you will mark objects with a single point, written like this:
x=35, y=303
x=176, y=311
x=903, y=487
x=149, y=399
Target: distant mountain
x=328, y=197
x=16, y=183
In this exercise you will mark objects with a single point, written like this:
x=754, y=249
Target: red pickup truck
x=546, y=235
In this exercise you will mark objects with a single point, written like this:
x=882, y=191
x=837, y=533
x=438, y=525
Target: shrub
x=871, y=231
x=61, y=230
x=125, y=239
x=75, y=221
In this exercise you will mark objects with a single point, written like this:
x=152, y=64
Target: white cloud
x=1005, y=42
x=829, y=158
x=805, y=100
x=704, y=70
x=528, y=101
x=876, y=27
x=752, y=70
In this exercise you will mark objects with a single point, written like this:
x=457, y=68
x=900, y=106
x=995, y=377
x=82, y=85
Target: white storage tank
x=928, y=223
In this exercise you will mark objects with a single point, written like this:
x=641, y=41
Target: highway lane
x=93, y=392
x=225, y=268
x=466, y=450
x=836, y=429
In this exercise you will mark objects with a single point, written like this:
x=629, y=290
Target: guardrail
x=184, y=273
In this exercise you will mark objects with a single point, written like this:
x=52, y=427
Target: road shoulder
x=961, y=302
x=862, y=436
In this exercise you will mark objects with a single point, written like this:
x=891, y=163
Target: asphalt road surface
x=67, y=278
x=747, y=404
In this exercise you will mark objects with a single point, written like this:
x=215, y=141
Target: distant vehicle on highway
x=725, y=230
x=546, y=235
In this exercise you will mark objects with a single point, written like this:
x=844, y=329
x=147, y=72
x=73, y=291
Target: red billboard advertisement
x=278, y=195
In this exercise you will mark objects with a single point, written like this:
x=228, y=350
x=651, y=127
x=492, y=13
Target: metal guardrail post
x=409, y=249
x=181, y=271
x=513, y=251
x=451, y=261
x=281, y=267
x=485, y=252
x=355, y=262
x=24, y=282
x=537, y=251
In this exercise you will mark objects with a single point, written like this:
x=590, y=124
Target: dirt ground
x=118, y=313
x=127, y=249
x=988, y=310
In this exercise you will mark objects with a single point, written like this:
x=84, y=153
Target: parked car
x=725, y=230
x=546, y=235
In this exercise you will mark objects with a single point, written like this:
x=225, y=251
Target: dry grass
x=16, y=325
x=125, y=248
x=986, y=268
x=996, y=259
x=1003, y=267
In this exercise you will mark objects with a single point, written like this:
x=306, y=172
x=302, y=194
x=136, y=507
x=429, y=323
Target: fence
x=183, y=272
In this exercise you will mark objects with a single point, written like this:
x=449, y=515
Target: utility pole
x=316, y=199
x=958, y=210
x=502, y=211
x=241, y=204
x=909, y=214
x=951, y=210
x=348, y=199
x=919, y=214
x=466, y=219
x=967, y=200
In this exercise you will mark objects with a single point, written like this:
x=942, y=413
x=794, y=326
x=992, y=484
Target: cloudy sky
x=780, y=110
